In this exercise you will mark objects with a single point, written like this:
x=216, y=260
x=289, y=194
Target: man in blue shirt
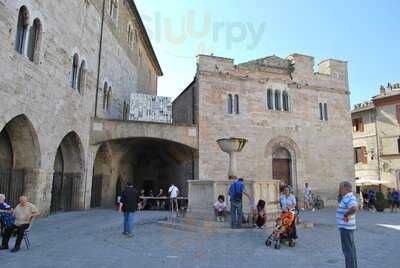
x=346, y=222
x=6, y=217
x=236, y=192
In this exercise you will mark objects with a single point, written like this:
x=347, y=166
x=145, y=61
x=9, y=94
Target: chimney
x=382, y=90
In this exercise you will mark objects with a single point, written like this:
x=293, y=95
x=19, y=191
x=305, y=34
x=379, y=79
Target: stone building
x=297, y=121
x=376, y=137
x=68, y=70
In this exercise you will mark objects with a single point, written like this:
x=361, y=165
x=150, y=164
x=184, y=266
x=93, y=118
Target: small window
x=321, y=112
x=105, y=89
x=130, y=34
x=285, y=101
x=114, y=9
x=236, y=104
x=326, y=112
x=22, y=30
x=34, y=40
x=278, y=100
x=360, y=155
x=398, y=145
x=109, y=99
x=230, y=104
x=81, y=77
x=270, y=100
x=358, y=125
x=75, y=66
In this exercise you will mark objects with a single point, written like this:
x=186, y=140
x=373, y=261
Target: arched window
x=74, y=74
x=109, y=99
x=130, y=34
x=105, y=95
x=22, y=29
x=114, y=9
x=236, y=102
x=285, y=101
x=277, y=100
x=270, y=99
x=230, y=104
x=82, y=77
x=326, y=111
x=35, y=34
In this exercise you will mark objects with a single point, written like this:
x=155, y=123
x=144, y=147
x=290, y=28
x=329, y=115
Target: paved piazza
x=93, y=239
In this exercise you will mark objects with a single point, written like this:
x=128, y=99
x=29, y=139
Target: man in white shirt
x=173, y=195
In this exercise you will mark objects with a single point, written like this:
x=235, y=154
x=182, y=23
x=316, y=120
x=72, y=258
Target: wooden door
x=281, y=170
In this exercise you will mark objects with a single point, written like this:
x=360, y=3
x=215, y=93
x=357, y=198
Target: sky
x=366, y=34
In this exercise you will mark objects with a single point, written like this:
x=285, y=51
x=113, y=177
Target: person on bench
x=24, y=213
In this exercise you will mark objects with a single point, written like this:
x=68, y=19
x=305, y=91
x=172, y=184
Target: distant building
x=296, y=120
x=376, y=137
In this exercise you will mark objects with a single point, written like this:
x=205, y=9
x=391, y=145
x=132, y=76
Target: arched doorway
x=281, y=165
x=150, y=164
x=19, y=155
x=68, y=175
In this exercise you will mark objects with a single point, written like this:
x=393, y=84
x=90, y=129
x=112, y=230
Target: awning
x=361, y=182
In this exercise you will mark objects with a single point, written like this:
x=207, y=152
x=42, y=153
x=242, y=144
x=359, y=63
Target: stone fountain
x=204, y=192
x=232, y=146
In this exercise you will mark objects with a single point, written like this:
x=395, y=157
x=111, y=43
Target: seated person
x=161, y=203
x=220, y=208
x=259, y=215
x=24, y=213
x=6, y=213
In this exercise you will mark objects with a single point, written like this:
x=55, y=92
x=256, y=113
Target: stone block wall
x=313, y=143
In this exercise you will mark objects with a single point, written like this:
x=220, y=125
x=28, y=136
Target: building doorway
x=281, y=165
x=68, y=175
x=19, y=155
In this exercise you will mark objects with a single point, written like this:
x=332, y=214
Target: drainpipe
x=99, y=58
x=377, y=146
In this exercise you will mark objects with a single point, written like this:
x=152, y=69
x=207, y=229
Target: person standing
x=236, y=192
x=128, y=205
x=24, y=213
x=346, y=222
x=173, y=195
x=395, y=200
x=307, y=195
x=288, y=203
x=371, y=200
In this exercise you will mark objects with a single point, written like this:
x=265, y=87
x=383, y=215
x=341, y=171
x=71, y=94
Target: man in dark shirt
x=128, y=205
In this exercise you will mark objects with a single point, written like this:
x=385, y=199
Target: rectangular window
x=360, y=155
x=398, y=145
x=326, y=111
x=358, y=125
x=321, y=113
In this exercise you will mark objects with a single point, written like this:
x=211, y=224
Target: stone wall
x=41, y=90
x=367, y=138
x=313, y=143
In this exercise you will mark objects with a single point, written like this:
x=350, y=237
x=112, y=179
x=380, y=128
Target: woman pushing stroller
x=285, y=228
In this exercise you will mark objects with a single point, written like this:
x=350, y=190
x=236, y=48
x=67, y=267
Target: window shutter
x=361, y=127
x=364, y=155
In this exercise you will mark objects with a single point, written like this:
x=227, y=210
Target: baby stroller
x=284, y=230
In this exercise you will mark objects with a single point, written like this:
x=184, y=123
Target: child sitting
x=220, y=208
x=259, y=215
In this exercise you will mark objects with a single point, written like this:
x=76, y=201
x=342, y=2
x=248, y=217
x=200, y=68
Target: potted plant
x=381, y=202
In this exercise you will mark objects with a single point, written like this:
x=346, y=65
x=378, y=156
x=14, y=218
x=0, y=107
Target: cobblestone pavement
x=94, y=239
